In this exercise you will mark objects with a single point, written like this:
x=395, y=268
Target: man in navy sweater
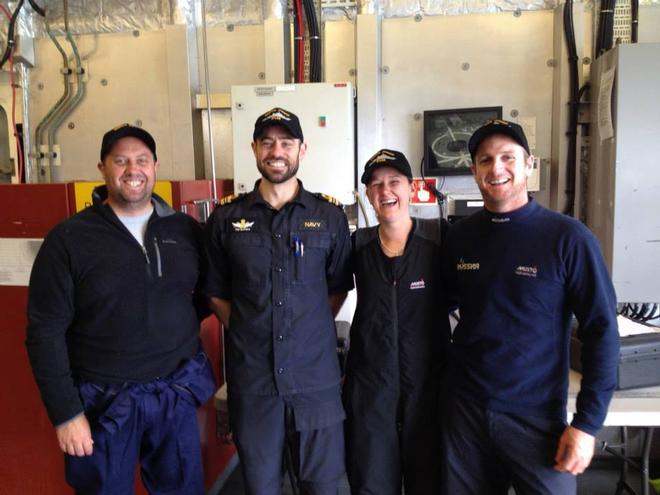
x=113, y=331
x=519, y=273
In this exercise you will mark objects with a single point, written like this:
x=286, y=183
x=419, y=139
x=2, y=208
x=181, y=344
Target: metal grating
x=622, y=22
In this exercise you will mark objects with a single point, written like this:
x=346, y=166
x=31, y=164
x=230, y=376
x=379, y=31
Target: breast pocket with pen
x=310, y=251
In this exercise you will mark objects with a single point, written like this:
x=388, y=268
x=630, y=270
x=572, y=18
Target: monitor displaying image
x=446, y=135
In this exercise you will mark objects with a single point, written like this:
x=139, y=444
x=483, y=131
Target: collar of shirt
x=303, y=197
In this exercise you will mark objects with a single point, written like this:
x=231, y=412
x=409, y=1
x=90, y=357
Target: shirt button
x=280, y=338
x=277, y=236
x=277, y=268
x=280, y=371
x=279, y=303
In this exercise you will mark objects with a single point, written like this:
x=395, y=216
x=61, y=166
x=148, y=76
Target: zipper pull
x=158, y=261
x=146, y=255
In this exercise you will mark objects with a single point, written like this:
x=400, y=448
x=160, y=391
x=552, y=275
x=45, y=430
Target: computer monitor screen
x=446, y=135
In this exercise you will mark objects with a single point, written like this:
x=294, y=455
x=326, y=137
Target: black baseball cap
x=281, y=117
x=497, y=126
x=386, y=158
x=126, y=130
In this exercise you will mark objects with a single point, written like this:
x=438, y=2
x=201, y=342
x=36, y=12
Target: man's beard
x=278, y=176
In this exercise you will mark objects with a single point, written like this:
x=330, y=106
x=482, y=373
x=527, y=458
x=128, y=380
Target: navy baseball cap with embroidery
x=497, y=126
x=386, y=158
x=281, y=117
x=126, y=130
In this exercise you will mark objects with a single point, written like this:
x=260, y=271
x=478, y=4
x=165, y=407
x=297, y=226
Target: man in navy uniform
x=113, y=331
x=280, y=259
x=520, y=272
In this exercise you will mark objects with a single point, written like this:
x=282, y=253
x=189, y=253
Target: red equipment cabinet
x=30, y=459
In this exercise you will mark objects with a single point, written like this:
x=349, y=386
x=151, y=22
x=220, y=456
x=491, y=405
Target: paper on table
x=628, y=327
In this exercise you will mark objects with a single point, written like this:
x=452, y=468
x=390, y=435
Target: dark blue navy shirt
x=277, y=268
x=519, y=277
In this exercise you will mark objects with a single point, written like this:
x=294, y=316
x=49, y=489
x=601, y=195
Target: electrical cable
x=36, y=8
x=583, y=90
x=634, y=21
x=12, y=83
x=605, y=31
x=640, y=312
x=19, y=143
x=296, y=37
x=314, y=41
x=71, y=104
x=11, y=41
x=574, y=91
x=313, y=37
x=300, y=42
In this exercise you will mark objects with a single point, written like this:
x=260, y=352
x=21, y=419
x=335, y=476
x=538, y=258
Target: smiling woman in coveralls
x=398, y=341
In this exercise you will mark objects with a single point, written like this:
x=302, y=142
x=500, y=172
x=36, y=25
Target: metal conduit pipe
x=208, y=109
x=46, y=121
x=73, y=102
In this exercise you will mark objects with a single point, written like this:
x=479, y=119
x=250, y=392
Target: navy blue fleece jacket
x=105, y=309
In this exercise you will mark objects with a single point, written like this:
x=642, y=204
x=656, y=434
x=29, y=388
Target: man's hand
x=75, y=436
x=576, y=448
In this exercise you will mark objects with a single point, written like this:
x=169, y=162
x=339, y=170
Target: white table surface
x=634, y=407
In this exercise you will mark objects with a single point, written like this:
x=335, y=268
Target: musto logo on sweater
x=462, y=266
x=417, y=284
x=526, y=271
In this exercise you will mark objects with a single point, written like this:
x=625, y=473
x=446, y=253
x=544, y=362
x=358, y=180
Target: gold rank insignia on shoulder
x=330, y=199
x=225, y=200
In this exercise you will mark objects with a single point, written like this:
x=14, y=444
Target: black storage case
x=639, y=360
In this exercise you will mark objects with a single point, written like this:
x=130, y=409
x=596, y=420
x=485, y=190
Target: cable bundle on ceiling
x=304, y=10
x=314, y=41
x=299, y=41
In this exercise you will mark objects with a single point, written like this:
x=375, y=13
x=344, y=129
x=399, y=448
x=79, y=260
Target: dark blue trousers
x=259, y=431
x=487, y=451
x=153, y=423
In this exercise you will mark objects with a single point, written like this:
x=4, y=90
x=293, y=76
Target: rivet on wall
x=261, y=75
x=465, y=66
x=71, y=125
x=514, y=113
x=104, y=82
x=136, y=33
x=138, y=122
x=230, y=27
